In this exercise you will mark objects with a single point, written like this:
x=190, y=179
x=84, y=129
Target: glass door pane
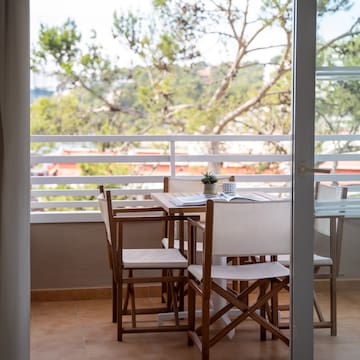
x=337, y=148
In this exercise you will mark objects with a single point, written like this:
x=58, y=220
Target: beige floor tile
x=83, y=330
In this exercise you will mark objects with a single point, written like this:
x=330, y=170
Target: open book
x=196, y=200
x=201, y=199
x=253, y=196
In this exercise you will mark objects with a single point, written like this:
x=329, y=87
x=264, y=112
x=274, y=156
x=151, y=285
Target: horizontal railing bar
x=41, y=159
x=353, y=188
x=141, y=179
x=37, y=159
x=181, y=138
x=125, y=192
x=338, y=137
x=337, y=177
x=159, y=179
x=235, y=158
x=328, y=204
x=61, y=204
x=121, y=179
x=65, y=216
x=93, y=192
x=159, y=138
x=337, y=157
x=87, y=204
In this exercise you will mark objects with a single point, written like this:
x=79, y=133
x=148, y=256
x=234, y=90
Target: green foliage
x=332, y=6
x=172, y=89
x=209, y=178
x=60, y=42
x=57, y=115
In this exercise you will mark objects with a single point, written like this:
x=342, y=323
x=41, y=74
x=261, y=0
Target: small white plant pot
x=210, y=189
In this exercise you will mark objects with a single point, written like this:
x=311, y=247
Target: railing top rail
x=181, y=138
x=148, y=138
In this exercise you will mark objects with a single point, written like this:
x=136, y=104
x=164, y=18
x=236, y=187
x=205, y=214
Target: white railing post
x=172, y=157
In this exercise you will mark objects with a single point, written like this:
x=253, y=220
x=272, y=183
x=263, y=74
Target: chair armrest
x=193, y=226
x=196, y=223
x=137, y=209
x=154, y=218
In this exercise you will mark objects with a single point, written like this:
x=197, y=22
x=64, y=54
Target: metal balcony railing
x=53, y=195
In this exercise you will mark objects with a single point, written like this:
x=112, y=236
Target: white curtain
x=14, y=180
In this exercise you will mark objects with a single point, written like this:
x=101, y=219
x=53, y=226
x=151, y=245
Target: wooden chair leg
x=205, y=329
x=114, y=300
x=119, y=312
x=333, y=315
x=174, y=300
x=132, y=297
x=163, y=288
x=181, y=292
x=191, y=313
x=274, y=311
x=262, y=291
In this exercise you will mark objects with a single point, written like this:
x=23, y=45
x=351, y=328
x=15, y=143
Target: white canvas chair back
x=251, y=228
x=177, y=185
x=104, y=211
x=327, y=193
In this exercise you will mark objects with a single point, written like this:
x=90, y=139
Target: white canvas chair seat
x=322, y=260
x=153, y=259
x=238, y=229
x=318, y=260
x=248, y=272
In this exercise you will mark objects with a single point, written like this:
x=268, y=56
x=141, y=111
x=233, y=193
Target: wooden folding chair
x=129, y=264
x=331, y=262
x=185, y=186
x=325, y=267
x=238, y=229
x=110, y=259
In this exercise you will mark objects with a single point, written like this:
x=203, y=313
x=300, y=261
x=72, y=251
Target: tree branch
x=282, y=69
x=345, y=34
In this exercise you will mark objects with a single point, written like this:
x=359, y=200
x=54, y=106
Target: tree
x=337, y=106
x=173, y=87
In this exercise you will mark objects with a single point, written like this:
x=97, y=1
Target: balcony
x=69, y=259
x=72, y=230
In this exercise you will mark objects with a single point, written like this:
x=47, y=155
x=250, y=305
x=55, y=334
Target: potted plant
x=209, y=180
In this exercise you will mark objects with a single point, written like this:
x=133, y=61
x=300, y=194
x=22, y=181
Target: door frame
x=303, y=118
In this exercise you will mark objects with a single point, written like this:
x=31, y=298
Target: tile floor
x=71, y=330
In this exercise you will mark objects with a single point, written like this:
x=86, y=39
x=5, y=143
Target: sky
x=96, y=14
x=88, y=14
